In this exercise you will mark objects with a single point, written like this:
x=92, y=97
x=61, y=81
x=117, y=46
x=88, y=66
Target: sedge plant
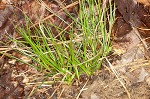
x=89, y=41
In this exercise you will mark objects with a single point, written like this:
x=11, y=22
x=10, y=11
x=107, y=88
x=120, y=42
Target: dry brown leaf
x=145, y=2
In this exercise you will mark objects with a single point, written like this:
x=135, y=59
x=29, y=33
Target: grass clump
x=82, y=54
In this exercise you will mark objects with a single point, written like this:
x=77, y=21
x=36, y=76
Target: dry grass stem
x=116, y=74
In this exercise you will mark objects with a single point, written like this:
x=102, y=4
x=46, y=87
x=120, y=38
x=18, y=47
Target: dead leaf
x=142, y=75
x=145, y=2
x=136, y=15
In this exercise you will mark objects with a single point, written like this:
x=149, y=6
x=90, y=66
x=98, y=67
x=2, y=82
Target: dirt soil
x=125, y=74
